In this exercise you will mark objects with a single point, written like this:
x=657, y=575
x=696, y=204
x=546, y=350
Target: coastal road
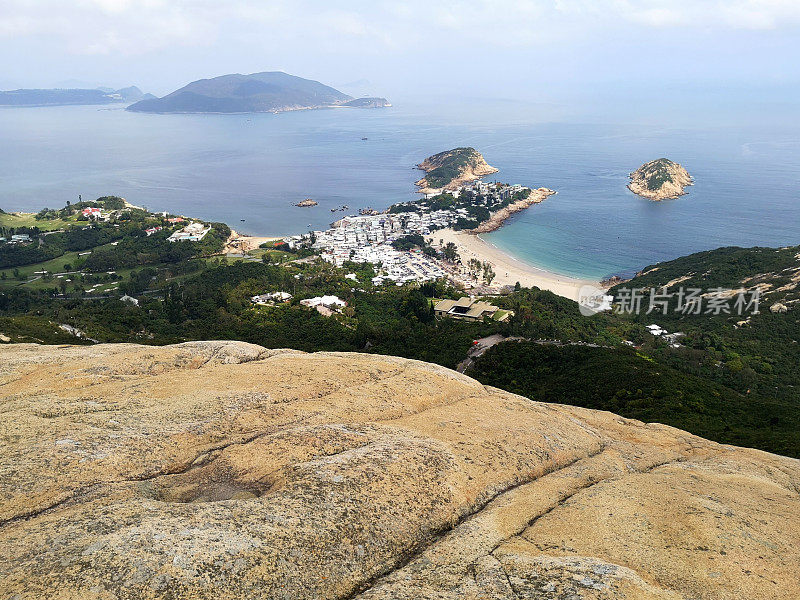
x=481, y=347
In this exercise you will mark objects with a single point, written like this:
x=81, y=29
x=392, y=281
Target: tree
x=407, y=242
x=451, y=252
x=488, y=273
x=429, y=251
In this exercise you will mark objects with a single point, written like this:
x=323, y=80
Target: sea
x=248, y=170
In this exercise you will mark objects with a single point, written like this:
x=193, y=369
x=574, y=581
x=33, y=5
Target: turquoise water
x=253, y=167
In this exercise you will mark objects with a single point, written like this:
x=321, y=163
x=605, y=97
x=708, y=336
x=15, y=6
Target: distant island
x=451, y=169
x=258, y=92
x=660, y=179
x=306, y=202
x=66, y=97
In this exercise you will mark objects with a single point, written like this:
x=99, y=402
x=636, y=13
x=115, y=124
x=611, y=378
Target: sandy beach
x=239, y=243
x=508, y=269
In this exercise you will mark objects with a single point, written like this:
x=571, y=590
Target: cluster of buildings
x=19, y=238
x=325, y=305
x=492, y=192
x=357, y=232
x=660, y=332
x=331, y=302
x=368, y=237
x=94, y=213
x=402, y=267
x=194, y=232
x=271, y=298
x=670, y=338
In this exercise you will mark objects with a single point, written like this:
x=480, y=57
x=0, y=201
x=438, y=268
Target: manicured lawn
x=54, y=266
x=29, y=220
x=275, y=255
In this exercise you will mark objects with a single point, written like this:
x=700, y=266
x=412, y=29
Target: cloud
x=710, y=14
x=104, y=26
x=280, y=29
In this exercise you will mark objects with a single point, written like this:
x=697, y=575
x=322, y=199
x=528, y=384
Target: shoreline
x=239, y=243
x=454, y=184
x=498, y=219
x=508, y=269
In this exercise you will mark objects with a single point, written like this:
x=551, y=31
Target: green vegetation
x=25, y=221
x=256, y=92
x=414, y=240
x=637, y=386
x=98, y=253
x=751, y=353
x=451, y=165
x=733, y=378
x=55, y=97
x=407, y=242
x=657, y=173
x=37, y=329
x=727, y=266
x=478, y=207
x=214, y=303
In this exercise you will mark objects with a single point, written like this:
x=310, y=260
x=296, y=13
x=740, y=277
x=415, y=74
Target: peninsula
x=660, y=179
x=452, y=169
x=63, y=97
x=530, y=197
x=258, y=92
x=444, y=229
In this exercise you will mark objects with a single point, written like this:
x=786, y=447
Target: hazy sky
x=478, y=48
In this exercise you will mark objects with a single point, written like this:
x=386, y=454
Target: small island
x=660, y=179
x=306, y=202
x=452, y=169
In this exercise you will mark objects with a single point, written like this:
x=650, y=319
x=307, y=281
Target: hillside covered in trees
x=730, y=377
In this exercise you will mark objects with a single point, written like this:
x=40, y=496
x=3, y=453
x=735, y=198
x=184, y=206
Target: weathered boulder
x=225, y=470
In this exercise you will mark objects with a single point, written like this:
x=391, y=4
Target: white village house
x=333, y=302
x=194, y=232
x=271, y=298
